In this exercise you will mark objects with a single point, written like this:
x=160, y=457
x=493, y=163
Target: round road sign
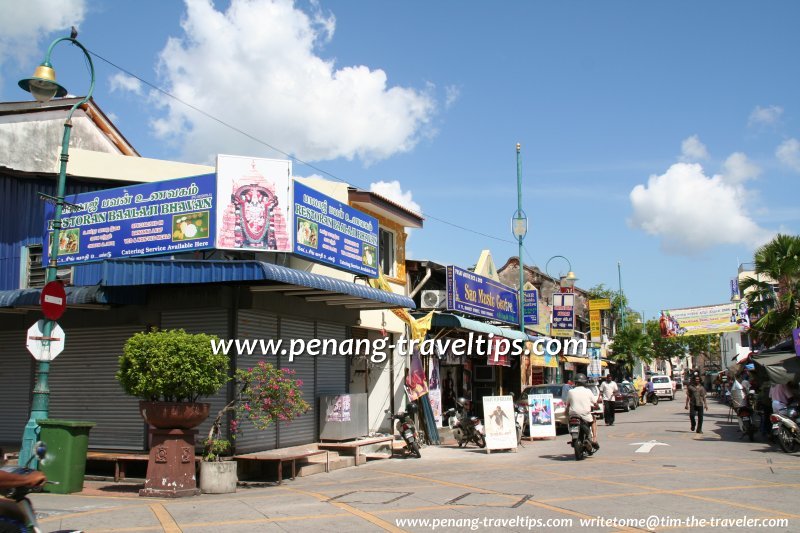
x=36, y=341
x=53, y=300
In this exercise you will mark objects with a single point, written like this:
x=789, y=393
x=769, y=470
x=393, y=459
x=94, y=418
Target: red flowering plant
x=265, y=395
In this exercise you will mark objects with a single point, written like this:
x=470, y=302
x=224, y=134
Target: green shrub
x=171, y=366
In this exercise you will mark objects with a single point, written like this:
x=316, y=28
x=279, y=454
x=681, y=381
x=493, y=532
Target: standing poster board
x=501, y=430
x=541, y=419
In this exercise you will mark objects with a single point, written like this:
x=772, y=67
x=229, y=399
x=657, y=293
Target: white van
x=662, y=386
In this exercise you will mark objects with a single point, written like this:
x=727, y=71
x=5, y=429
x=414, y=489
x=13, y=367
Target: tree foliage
x=774, y=294
x=618, y=301
x=171, y=366
x=664, y=347
x=632, y=344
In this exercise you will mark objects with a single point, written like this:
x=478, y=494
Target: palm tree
x=774, y=295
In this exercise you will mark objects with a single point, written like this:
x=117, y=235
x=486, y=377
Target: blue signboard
x=328, y=231
x=476, y=295
x=160, y=218
x=531, y=307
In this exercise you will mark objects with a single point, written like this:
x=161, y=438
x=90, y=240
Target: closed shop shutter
x=301, y=430
x=332, y=375
x=83, y=386
x=256, y=325
x=16, y=384
x=212, y=321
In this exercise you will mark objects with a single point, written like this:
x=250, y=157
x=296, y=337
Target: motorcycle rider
x=11, y=518
x=9, y=480
x=580, y=402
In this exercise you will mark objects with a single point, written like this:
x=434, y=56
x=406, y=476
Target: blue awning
x=267, y=277
x=447, y=320
x=76, y=296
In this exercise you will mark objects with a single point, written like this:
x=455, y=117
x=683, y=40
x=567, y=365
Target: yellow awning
x=573, y=359
x=603, y=363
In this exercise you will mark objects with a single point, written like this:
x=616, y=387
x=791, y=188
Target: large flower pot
x=218, y=477
x=174, y=415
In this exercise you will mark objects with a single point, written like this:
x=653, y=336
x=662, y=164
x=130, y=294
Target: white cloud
x=122, y=82
x=691, y=212
x=26, y=24
x=788, y=153
x=452, y=93
x=392, y=190
x=738, y=169
x=257, y=66
x=693, y=150
x=765, y=116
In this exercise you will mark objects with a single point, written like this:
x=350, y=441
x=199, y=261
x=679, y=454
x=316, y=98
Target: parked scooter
x=581, y=432
x=405, y=426
x=785, y=428
x=25, y=519
x=465, y=428
x=746, y=414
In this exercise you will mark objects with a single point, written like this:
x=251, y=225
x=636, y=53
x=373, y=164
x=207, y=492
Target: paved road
x=689, y=479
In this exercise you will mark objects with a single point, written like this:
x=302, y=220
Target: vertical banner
x=594, y=325
x=531, y=307
x=501, y=430
x=541, y=421
x=416, y=384
x=435, y=390
x=595, y=368
x=563, y=315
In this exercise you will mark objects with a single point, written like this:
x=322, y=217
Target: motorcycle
x=25, y=519
x=581, y=433
x=785, y=428
x=466, y=428
x=405, y=426
x=746, y=415
x=650, y=398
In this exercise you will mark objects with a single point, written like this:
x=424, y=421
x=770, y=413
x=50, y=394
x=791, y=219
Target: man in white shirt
x=608, y=390
x=579, y=402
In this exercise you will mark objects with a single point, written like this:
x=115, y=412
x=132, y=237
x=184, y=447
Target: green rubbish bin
x=67, y=442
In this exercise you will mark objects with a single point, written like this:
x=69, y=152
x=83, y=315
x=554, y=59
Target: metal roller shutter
x=83, y=386
x=212, y=321
x=254, y=325
x=16, y=384
x=332, y=375
x=301, y=430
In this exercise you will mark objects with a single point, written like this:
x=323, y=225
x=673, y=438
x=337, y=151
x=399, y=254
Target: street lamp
x=519, y=228
x=565, y=282
x=42, y=85
x=621, y=303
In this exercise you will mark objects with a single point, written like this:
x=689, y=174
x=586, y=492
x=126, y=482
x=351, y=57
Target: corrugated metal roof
x=127, y=272
x=75, y=296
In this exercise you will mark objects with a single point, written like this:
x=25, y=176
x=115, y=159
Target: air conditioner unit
x=434, y=299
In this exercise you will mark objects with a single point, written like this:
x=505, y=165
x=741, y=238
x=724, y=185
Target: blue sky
x=663, y=135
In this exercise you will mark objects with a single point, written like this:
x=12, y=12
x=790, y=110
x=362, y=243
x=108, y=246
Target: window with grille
x=34, y=273
x=387, y=252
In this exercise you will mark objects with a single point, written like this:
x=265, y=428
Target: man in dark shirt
x=696, y=403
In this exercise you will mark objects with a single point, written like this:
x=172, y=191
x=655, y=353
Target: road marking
x=383, y=524
x=645, y=447
x=168, y=523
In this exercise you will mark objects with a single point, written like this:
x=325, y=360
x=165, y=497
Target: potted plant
x=264, y=395
x=170, y=371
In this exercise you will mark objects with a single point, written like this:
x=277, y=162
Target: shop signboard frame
x=333, y=233
x=480, y=296
x=541, y=416
x=563, y=315
x=158, y=218
x=531, y=307
x=501, y=429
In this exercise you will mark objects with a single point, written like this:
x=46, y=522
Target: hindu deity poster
x=253, y=204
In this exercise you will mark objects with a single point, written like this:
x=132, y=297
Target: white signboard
x=36, y=342
x=501, y=430
x=541, y=418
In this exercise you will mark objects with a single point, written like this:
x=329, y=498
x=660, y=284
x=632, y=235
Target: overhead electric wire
x=282, y=152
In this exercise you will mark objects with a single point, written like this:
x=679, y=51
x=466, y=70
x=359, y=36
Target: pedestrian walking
x=696, y=403
x=608, y=390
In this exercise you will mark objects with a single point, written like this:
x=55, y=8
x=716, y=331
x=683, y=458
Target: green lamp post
x=519, y=228
x=43, y=86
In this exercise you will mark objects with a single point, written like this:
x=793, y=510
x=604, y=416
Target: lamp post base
x=171, y=470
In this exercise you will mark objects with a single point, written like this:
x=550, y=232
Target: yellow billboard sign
x=594, y=323
x=599, y=305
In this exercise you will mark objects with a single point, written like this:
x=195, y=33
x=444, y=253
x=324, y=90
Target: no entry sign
x=53, y=300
